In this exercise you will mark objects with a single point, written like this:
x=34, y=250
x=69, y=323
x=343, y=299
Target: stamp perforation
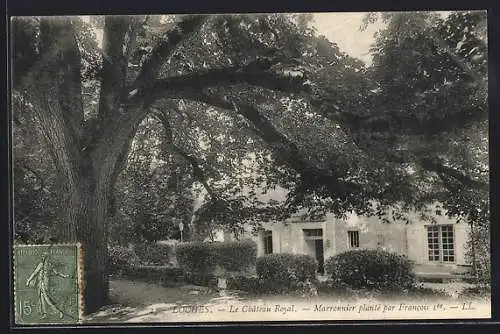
x=80, y=271
x=79, y=282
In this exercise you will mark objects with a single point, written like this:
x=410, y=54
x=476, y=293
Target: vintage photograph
x=250, y=167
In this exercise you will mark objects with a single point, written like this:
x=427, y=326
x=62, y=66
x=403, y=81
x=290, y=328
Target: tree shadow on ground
x=139, y=302
x=136, y=301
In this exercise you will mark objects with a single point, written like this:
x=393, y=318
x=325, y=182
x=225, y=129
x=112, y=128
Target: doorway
x=314, y=247
x=320, y=256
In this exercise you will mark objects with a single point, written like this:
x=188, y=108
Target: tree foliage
x=437, y=91
x=422, y=117
x=154, y=192
x=140, y=116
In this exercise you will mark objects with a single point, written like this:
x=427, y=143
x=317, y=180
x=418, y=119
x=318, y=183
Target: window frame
x=317, y=235
x=354, y=233
x=445, y=255
x=266, y=235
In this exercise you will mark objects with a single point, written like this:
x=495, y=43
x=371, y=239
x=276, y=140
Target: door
x=314, y=246
x=320, y=256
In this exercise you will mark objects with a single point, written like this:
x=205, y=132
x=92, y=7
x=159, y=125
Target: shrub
x=476, y=292
x=202, y=279
x=203, y=258
x=160, y=274
x=285, y=271
x=477, y=253
x=198, y=258
x=258, y=286
x=245, y=283
x=305, y=267
x=154, y=253
x=336, y=290
x=121, y=259
x=371, y=269
x=425, y=293
x=237, y=256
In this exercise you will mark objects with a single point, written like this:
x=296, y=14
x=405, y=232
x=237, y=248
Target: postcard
x=250, y=167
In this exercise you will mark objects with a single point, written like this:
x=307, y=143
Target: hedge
x=154, y=253
x=120, y=259
x=161, y=274
x=245, y=283
x=259, y=286
x=205, y=257
x=345, y=292
x=236, y=255
x=202, y=279
x=197, y=257
x=476, y=292
x=286, y=270
x=371, y=269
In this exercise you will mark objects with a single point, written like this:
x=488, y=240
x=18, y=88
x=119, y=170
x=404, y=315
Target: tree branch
x=406, y=122
x=165, y=48
x=117, y=39
x=257, y=73
x=198, y=172
x=435, y=166
x=285, y=151
x=54, y=87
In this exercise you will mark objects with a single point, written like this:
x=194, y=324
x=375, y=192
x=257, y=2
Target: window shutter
x=276, y=241
x=260, y=243
x=461, y=237
x=416, y=239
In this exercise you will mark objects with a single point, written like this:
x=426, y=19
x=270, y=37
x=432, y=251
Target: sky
x=344, y=29
x=341, y=28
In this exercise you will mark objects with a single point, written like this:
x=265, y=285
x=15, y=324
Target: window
x=313, y=233
x=440, y=243
x=353, y=239
x=268, y=242
x=380, y=240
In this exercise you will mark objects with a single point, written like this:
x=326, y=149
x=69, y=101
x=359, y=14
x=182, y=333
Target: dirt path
x=135, y=301
x=136, y=293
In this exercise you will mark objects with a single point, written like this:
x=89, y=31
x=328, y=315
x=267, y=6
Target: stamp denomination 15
x=46, y=285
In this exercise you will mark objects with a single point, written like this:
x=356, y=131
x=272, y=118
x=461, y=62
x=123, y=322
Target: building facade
x=436, y=248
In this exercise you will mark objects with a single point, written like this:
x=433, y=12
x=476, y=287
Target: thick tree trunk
x=87, y=157
x=88, y=176
x=86, y=200
x=87, y=212
x=57, y=102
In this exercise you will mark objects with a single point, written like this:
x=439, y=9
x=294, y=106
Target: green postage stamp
x=47, y=284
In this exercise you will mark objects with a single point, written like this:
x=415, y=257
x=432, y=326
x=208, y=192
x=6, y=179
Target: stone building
x=436, y=248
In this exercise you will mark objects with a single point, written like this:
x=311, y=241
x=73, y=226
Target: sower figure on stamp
x=41, y=275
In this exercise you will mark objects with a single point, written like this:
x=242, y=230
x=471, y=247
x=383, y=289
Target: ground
x=136, y=301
